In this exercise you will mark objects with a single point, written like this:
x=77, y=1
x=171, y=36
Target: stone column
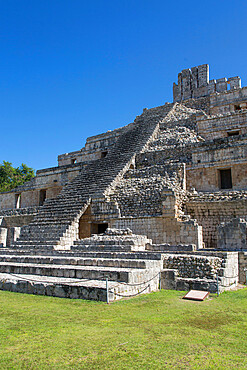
x=3, y=236
x=12, y=235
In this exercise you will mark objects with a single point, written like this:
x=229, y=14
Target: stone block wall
x=225, y=102
x=162, y=229
x=18, y=221
x=207, y=178
x=193, y=266
x=225, y=151
x=11, y=222
x=51, y=180
x=57, y=176
x=199, y=271
x=18, y=212
x=214, y=127
x=210, y=210
x=194, y=83
x=202, y=103
x=7, y=200
x=94, y=147
x=232, y=235
x=29, y=198
x=242, y=256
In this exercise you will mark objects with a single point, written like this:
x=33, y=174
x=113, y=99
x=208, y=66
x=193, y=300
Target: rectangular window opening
x=233, y=133
x=225, y=179
x=17, y=200
x=42, y=197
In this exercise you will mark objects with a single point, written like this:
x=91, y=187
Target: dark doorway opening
x=99, y=228
x=87, y=226
x=225, y=179
x=103, y=154
x=42, y=197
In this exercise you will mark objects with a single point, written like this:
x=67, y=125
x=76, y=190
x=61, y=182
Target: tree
x=11, y=177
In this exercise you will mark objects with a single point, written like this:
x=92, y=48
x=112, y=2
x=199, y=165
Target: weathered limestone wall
x=212, y=156
x=204, y=178
x=213, y=127
x=18, y=212
x=193, y=266
x=198, y=271
x=162, y=229
x=242, y=256
x=57, y=176
x=93, y=149
x=51, y=180
x=210, y=210
x=7, y=200
x=224, y=150
x=232, y=235
x=202, y=103
x=29, y=198
x=226, y=101
x=12, y=221
x=194, y=83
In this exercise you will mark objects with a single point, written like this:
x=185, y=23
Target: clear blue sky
x=70, y=69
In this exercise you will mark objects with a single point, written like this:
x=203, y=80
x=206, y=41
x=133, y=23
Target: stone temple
x=161, y=201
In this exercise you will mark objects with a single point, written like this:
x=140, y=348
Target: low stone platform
x=115, y=265
x=117, y=257
x=200, y=270
x=71, y=288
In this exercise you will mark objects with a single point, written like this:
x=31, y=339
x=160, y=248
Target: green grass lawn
x=155, y=331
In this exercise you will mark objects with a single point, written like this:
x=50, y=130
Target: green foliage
x=11, y=177
x=155, y=331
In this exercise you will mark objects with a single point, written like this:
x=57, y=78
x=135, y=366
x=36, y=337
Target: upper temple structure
x=162, y=199
x=195, y=83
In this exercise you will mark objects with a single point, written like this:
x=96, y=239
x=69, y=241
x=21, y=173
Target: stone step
x=127, y=275
x=43, y=244
x=45, y=247
x=111, y=240
x=103, y=247
x=72, y=288
x=171, y=248
x=33, y=243
x=78, y=253
x=80, y=261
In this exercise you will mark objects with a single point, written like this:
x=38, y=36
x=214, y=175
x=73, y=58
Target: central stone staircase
x=56, y=224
